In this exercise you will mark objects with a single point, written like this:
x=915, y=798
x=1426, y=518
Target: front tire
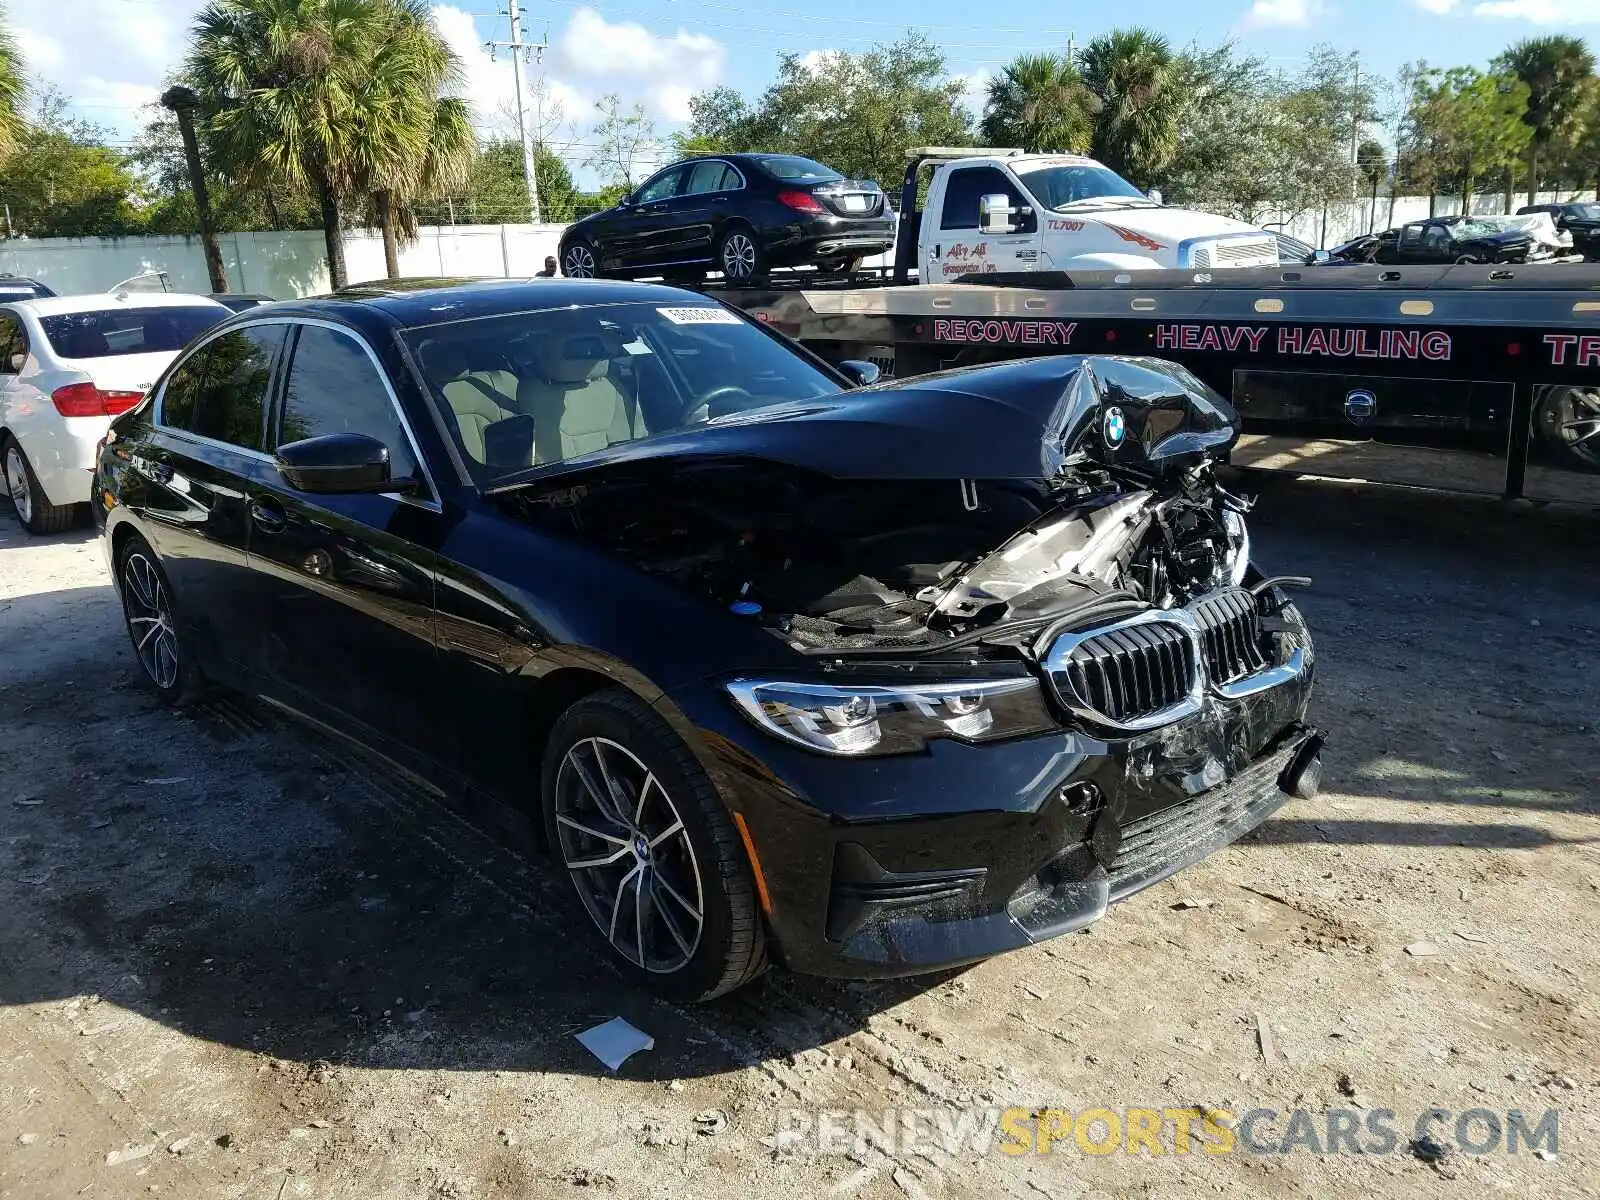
x=653, y=857
x=740, y=256
x=165, y=662
x=580, y=260
x=33, y=507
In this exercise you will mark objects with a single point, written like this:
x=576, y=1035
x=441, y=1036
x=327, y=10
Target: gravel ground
x=234, y=963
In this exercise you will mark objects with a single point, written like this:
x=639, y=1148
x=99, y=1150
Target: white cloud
x=1542, y=12
x=1283, y=12
x=974, y=90
x=661, y=71
x=1439, y=8
x=39, y=52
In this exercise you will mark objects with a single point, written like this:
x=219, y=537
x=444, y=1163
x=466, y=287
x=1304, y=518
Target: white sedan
x=68, y=365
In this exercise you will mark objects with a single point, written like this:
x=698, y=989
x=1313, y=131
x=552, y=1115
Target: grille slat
x=1125, y=674
x=1231, y=635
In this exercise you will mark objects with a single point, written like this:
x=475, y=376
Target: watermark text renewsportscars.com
x=1164, y=1131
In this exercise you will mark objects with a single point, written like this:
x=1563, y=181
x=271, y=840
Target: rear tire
x=165, y=662
x=656, y=864
x=1566, y=420
x=33, y=507
x=740, y=256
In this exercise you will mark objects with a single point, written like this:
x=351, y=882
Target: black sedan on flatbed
x=1440, y=240
x=872, y=679
x=739, y=214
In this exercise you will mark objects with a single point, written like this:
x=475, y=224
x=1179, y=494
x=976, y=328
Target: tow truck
x=1463, y=377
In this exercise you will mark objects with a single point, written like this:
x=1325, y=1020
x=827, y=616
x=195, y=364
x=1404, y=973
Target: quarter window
x=220, y=392
x=334, y=387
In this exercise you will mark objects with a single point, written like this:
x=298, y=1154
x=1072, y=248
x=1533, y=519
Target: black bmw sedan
x=735, y=213
x=867, y=679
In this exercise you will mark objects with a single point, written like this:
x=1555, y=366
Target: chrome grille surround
x=1128, y=656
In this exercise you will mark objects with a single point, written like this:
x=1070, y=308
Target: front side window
x=220, y=392
x=107, y=333
x=542, y=387
x=661, y=187
x=335, y=387
x=966, y=188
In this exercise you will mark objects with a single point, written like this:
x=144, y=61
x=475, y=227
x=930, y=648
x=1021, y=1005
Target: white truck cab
x=990, y=211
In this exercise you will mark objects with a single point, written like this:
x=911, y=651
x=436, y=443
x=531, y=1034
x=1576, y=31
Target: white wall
x=291, y=263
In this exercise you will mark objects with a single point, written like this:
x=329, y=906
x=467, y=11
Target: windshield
x=791, y=168
x=542, y=387
x=107, y=333
x=1584, y=212
x=1466, y=230
x=1077, y=183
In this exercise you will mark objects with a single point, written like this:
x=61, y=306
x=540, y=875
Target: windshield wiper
x=1107, y=202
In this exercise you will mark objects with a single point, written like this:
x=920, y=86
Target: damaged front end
x=1033, y=562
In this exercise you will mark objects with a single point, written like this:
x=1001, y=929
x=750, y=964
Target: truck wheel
x=1567, y=421
x=33, y=507
x=579, y=261
x=739, y=254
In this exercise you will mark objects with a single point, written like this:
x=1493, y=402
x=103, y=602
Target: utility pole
x=521, y=52
x=1355, y=124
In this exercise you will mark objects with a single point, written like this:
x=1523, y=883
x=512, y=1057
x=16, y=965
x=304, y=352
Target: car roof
x=50, y=306
x=414, y=303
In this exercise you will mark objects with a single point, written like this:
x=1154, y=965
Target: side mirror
x=995, y=213
x=1154, y=195
x=860, y=372
x=1320, y=256
x=626, y=201
x=338, y=464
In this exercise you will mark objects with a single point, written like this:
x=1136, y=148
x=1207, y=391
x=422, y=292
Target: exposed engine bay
x=1002, y=499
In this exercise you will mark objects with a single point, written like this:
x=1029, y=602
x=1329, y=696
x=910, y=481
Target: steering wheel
x=705, y=410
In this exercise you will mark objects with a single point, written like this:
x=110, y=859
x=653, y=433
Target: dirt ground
x=234, y=964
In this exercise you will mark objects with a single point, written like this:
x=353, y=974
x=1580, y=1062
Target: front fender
x=1109, y=262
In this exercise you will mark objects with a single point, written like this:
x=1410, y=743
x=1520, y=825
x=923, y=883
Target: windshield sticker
x=699, y=316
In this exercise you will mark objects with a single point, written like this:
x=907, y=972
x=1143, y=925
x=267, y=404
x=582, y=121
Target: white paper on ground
x=614, y=1042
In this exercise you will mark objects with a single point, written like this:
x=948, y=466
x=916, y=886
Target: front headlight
x=1238, y=561
x=893, y=720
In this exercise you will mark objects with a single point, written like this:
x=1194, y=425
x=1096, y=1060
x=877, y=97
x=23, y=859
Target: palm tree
x=1372, y=161
x=1131, y=72
x=284, y=81
x=1555, y=69
x=416, y=142
x=1039, y=103
x=12, y=88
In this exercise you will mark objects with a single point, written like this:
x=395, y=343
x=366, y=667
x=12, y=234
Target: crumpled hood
x=1030, y=420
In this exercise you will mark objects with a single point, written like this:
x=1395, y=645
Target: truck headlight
x=871, y=719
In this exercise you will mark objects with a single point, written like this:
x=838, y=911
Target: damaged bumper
x=911, y=863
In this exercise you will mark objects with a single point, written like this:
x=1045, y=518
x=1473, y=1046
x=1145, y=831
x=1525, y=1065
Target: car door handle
x=268, y=515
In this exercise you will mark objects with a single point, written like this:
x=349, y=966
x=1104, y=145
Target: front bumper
x=904, y=864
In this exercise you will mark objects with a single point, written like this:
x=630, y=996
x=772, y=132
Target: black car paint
x=444, y=633
x=1393, y=246
x=684, y=230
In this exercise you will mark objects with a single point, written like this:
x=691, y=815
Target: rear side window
x=334, y=387
x=13, y=341
x=221, y=391
x=711, y=177
x=107, y=333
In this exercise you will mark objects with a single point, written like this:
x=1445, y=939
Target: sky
x=110, y=56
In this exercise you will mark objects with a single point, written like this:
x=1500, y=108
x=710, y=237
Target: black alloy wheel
x=1568, y=423
x=739, y=254
x=578, y=261
x=652, y=855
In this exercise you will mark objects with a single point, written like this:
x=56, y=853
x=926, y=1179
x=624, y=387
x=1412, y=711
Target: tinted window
x=110, y=332
x=221, y=391
x=334, y=387
x=710, y=177
x=966, y=187
x=13, y=341
x=659, y=188
x=791, y=168
x=537, y=388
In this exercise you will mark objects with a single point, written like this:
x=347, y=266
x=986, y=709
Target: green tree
x=1325, y=108
x=1231, y=134
x=496, y=192
x=1484, y=132
x=1372, y=164
x=62, y=180
x=1554, y=68
x=625, y=142
x=283, y=81
x=857, y=112
x=1132, y=74
x=415, y=141
x=13, y=88
x=1039, y=102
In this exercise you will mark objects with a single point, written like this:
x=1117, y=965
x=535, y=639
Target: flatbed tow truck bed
x=1459, y=377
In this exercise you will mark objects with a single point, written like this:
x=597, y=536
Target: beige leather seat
x=576, y=407
x=477, y=399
